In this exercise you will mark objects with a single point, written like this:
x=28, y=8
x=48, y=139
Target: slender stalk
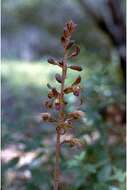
x=61, y=119
x=57, y=167
x=56, y=98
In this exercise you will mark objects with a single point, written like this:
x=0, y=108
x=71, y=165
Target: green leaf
x=81, y=156
x=32, y=186
x=77, y=160
x=72, y=163
x=101, y=186
x=90, y=168
x=119, y=175
x=104, y=174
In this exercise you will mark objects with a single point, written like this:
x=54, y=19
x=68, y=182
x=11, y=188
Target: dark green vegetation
x=30, y=32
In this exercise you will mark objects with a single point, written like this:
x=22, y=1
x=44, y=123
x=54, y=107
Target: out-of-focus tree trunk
x=113, y=27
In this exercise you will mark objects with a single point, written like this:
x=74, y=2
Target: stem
x=57, y=167
x=61, y=120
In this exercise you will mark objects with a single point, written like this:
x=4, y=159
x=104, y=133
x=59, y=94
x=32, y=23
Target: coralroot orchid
x=56, y=99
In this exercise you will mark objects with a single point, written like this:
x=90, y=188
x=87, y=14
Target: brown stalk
x=61, y=120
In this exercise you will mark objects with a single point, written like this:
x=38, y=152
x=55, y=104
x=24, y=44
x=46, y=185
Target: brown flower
x=73, y=142
x=76, y=114
x=48, y=104
x=47, y=117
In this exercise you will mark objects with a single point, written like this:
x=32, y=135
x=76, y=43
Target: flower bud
x=46, y=116
x=75, y=67
x=76, y=115
x=52, y=61
x=50, y=94
x=49, y=86
x=48, y=104
x=73, y=142
x=76, y=52
x=71, y=26
x=77, y=81
x=55, y=93
x=58, y=78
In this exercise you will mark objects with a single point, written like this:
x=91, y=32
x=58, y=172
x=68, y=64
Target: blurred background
x=31, y=31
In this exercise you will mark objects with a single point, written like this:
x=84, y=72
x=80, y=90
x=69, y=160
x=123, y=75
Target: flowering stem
x=56, y=98
x=61, y=120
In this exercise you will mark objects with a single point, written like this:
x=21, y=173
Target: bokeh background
x=31, y=31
